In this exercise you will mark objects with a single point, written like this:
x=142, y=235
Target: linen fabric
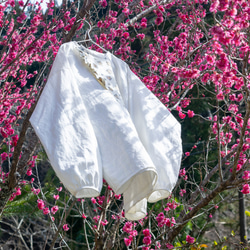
x=96, y=119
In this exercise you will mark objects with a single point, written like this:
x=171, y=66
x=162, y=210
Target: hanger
x=89, y=37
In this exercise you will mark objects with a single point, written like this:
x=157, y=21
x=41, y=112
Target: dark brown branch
x=30, y=148
x=182, y=221
x=81, y=14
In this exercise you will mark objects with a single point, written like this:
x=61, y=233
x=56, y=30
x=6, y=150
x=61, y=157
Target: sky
x=44, y=4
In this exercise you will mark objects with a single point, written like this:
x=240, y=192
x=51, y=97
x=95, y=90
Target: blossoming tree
x=192, y=54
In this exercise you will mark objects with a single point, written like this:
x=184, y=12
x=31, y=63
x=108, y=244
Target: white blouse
x=96, y=120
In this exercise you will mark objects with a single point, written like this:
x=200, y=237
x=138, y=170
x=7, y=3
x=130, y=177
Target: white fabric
x=121, y=133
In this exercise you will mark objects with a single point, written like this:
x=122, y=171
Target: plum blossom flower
x=141, y=36
x=56, y=196
x=147, y=236
x=143, y=22
x=4, y=156
x=127, y=227
x=190, y=113
x=54, y=209
x=126, y=11
x=93, y=200
x=147, y=240
x=46, y=211
x=246, y=175
x=246, y=189
x=182, y=191
x=127, y=241
x=29, y=172
x=103, y=3
x=40, y=204
x=169, y=246
x=125, y=35
x=182, y=172
x=21, y=18
x=190, y=239
x=65, y=227
x=159, y=20
x=182, y=115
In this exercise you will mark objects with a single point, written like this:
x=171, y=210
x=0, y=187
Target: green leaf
x=215, y=243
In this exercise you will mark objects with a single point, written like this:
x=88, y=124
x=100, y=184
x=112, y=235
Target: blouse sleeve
x=159, y=132
x=61, y=122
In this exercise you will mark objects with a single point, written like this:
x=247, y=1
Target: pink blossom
x=12, y=3
x=233, y=108
x=146, y=232
x=46, y=211
x=127, y=242
x=246, y=189
x=117, y=196
x=220, y=95
x=246, y=175
x=84, y=216
x=133, y=233
x=190, y=239
x=159, y=20
x=18, y=191
x=40, y=204
x=103, y=3
x=21, y=18
x=66, y=15
x=125, y=35
x=54, y=209
x=65, y=227
x=160, y=219
x=182, y=191
x=182, y=115
x=125, y=11
x=169, y=246
x=223, y=63
x=141, y=36
x=190, y=113
x=104, y=223
x=29, y=172
x=128, y=227
x=21, y=3
x=35, y=191
x=147, y=240
x=93, y=200
x=56, y=196
x=144, y=24
x=182, y=172
x=4, y=156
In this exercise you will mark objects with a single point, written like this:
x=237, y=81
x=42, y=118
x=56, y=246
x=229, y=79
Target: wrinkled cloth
x=96, y=120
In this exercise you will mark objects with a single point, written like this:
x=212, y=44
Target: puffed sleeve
x=159, y=132
x=62, y=124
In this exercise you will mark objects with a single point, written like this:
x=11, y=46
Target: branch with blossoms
x=194, y=56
